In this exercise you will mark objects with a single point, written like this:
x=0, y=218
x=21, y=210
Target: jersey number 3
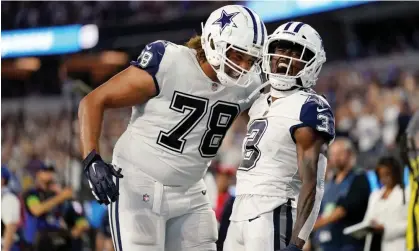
x=220, y=119
x=251, y=151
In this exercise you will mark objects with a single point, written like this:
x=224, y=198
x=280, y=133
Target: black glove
x=99, y=174
x=291, y=247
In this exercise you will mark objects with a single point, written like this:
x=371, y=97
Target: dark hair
x=395, y=167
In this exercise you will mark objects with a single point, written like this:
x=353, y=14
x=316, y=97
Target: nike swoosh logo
x=148, y=47
x=321, y=110
x=94, y=168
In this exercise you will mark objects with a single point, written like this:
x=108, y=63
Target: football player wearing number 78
x=183, y=99
x=281, y=177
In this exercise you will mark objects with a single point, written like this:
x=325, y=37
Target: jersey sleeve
x=150, y=60
x=317, y=115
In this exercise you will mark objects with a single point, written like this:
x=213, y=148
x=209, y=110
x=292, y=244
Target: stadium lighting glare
x=88, y=36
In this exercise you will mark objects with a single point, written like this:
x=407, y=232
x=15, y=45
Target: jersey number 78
x=222, y=115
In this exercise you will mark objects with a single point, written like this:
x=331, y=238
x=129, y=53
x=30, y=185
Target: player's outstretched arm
x=309, y=144
x=130, y=87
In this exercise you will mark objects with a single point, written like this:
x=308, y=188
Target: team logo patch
x=226, y=19
x=214, y=86
x=146, y=197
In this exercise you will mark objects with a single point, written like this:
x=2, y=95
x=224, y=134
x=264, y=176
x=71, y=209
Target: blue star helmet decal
x=226, y=19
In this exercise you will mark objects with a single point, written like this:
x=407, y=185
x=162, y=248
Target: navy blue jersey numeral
x=251, y=151
x=222, y=115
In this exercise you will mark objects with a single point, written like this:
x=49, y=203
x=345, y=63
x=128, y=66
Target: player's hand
x=100, y=176
x=291, y=247
x=66, y=193
x=379, y=228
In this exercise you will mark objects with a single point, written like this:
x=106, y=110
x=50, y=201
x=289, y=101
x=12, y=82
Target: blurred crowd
x=372, y=110
x=29, y=139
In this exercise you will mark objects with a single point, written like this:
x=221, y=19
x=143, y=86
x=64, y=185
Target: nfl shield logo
x=214, y=86
x=146, y=197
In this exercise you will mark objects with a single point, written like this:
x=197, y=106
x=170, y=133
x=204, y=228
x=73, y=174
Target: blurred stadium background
x=53, y=53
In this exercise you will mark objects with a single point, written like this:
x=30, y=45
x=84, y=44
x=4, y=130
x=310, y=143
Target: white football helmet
x=233, y=27
x=312, y=56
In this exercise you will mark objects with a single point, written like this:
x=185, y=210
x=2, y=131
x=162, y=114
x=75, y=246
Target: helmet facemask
x=285, y=62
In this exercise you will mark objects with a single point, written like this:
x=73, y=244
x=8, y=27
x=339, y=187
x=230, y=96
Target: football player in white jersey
x=282, y=173
x=183, y=101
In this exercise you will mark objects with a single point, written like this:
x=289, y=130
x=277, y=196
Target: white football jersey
x=174, y=135
x=269, y=167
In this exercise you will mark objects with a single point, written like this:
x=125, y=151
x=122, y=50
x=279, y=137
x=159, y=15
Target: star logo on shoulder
x=226, y=19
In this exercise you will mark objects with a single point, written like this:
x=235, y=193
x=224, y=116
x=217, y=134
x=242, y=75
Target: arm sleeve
x=357, y=197
x=150, y=60
x=10, y=210
x=316, y=114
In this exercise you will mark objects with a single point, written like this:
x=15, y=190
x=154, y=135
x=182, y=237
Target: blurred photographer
x=74, y=219
x=44, y=227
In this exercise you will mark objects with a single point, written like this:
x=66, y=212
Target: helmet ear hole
x=212, y=44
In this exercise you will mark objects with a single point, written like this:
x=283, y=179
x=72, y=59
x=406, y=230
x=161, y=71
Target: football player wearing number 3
x=280, y=179
x=183, y=99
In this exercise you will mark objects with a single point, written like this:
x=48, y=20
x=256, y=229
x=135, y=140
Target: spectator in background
x=10, y=215
x=387, y=212
x=344, y=202
x=43, y=212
